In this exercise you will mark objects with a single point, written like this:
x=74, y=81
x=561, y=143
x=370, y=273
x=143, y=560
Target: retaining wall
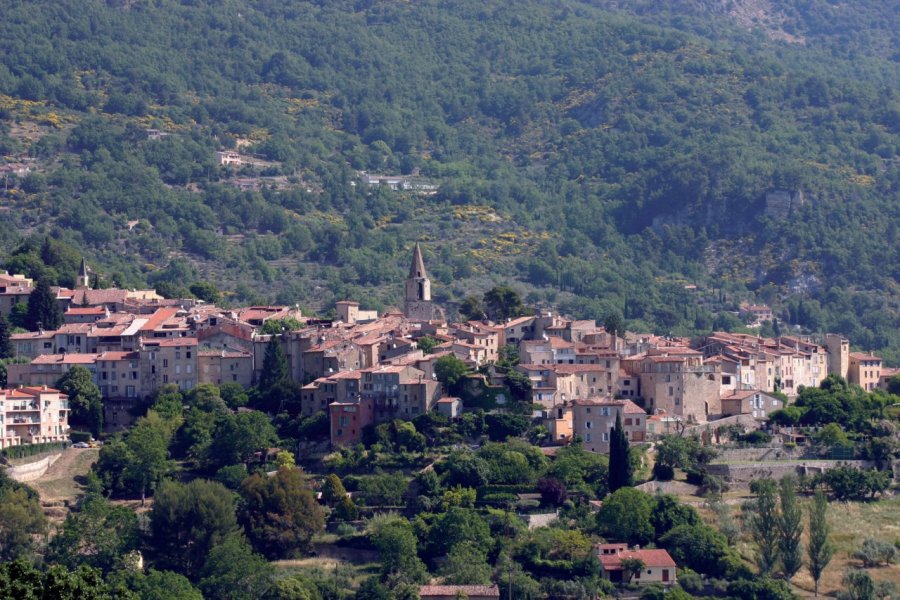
x=33, y=470
x=744, y=474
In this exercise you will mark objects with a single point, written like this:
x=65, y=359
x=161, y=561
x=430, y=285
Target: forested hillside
x=601, y=155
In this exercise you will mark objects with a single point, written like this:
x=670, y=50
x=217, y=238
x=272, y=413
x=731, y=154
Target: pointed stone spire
x=418, y=305
x=84, y=279
x=417, y=268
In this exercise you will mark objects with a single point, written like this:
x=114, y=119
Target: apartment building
x=33, y=415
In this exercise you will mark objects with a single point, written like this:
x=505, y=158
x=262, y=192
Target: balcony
x=29, y=407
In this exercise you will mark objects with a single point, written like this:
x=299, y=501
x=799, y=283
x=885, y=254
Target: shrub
x=231, y=476
x=663, y=472
x=757, y=437
x=874, y=553
x=500, y=498
x=26, y=450
x=691, y=581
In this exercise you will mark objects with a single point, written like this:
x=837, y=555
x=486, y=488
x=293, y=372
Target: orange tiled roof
x=65, y=359
x=650, y=558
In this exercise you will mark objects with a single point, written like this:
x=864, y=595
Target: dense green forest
x=600, y=155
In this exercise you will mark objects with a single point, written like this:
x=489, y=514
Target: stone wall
x=728, y=455
x=33, y=470
x=745, y=473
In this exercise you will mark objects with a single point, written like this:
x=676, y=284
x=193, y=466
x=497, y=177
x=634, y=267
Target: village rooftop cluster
x=364, y=368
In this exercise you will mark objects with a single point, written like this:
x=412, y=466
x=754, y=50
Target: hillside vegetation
x=603, y=158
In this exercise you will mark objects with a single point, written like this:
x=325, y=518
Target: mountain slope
x=603, y=158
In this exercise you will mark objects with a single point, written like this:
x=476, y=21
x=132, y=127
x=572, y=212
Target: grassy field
x=59, y=483
x=851, y=523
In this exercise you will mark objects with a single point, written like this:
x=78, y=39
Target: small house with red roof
x=658, y=565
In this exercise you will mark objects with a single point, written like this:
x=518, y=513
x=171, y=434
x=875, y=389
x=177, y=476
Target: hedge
x=26, y=450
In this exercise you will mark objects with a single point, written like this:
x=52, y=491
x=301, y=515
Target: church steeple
x=84, y=278
x=417, y=297
x=417, y=268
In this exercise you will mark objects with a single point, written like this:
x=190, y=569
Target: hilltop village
x=364, y=368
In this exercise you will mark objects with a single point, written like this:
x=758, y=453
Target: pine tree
x=820, y=549
x=790, y=528
x=275, y=367
x=43, y=311
x=6, y=350
x=620, y=471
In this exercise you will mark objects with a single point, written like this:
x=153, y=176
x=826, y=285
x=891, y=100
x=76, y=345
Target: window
x=165, y=363
x=589, y=425
x=587, y=437
x=605, y=436
x=187, y=354
x=604, y=412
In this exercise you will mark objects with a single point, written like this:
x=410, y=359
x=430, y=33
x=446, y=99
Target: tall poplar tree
x=763, y=524
x=620, y=471
x=820, y=549
x=790, y=528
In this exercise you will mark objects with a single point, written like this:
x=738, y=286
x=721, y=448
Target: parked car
x=81, y=445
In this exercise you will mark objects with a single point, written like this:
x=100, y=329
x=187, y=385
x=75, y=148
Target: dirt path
x=57, y=487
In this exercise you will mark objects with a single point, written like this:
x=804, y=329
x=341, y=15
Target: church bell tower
x=417, y=299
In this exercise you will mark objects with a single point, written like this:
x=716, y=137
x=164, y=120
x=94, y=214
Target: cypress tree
x=6, y=350
x=43, y=311
x=275, y=367
x=620, y=471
